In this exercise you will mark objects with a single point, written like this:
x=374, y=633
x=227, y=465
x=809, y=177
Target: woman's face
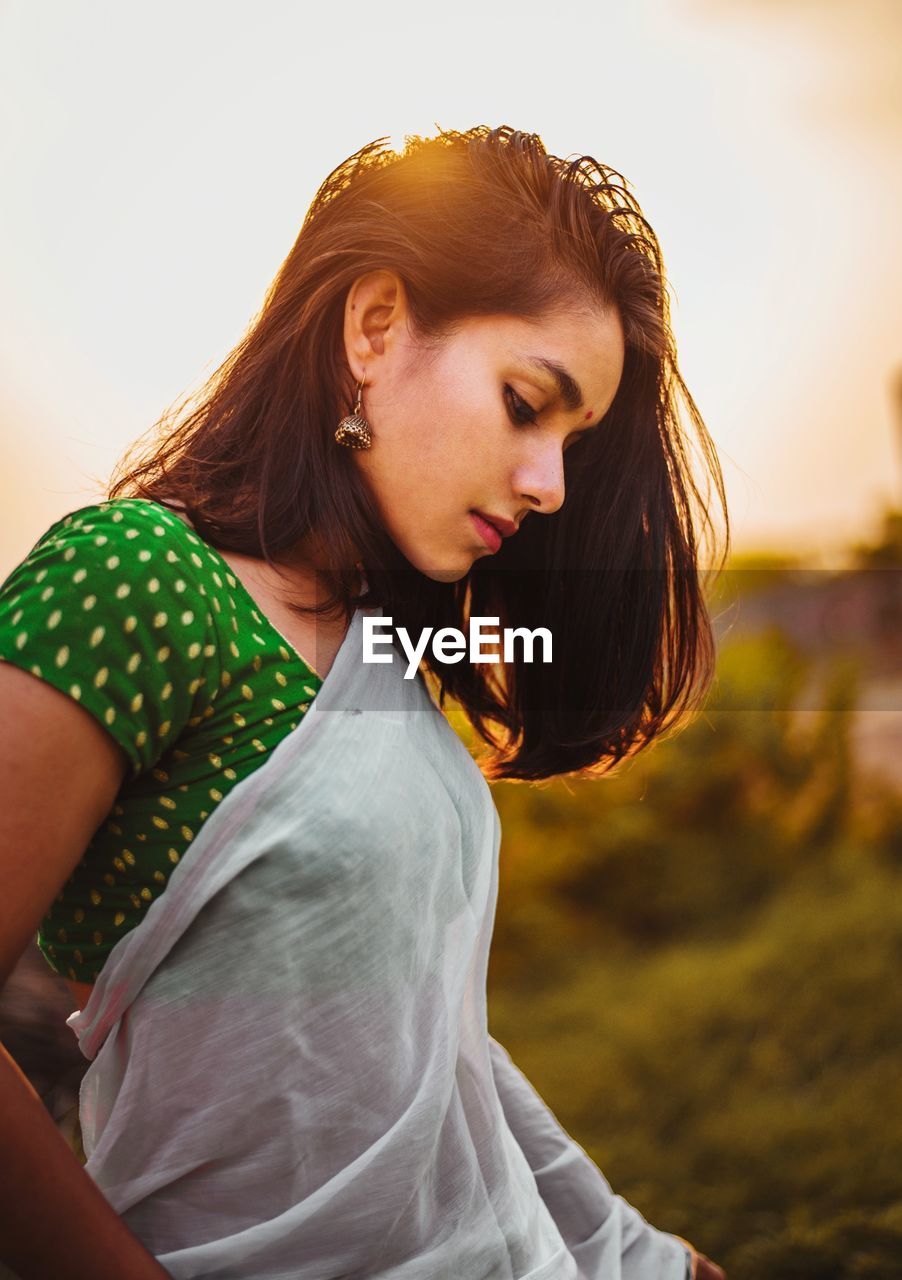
x=474, y=429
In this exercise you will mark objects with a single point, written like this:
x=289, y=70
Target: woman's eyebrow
x=568, y=388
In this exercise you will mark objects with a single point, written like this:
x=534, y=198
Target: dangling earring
x=354, y=430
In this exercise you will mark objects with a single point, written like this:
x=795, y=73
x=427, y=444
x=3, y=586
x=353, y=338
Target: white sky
x=158, y=160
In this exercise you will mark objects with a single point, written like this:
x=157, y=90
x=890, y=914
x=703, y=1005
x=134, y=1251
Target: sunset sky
x=158, y=161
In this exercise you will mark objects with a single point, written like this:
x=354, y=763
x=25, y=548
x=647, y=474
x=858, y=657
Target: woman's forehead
x=561, y=339
x=575, y=357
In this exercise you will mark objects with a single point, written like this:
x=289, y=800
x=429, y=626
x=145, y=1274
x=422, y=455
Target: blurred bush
x=694, y=834
x=695, y=961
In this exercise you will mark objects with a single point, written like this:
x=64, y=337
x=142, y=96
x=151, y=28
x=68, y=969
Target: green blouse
x=123, y=607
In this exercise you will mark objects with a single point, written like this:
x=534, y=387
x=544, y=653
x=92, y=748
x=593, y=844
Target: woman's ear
x=375, y=319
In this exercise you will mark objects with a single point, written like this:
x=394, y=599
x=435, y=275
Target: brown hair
x=481, y=222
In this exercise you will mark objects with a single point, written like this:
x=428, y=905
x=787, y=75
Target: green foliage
x=693, y=834
x=695, y=961
x=853, y=1246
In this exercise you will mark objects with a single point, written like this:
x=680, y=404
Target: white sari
x=291, y=1073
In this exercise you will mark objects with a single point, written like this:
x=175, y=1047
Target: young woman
x=269, y=867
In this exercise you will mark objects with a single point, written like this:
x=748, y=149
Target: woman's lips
x=489, y=534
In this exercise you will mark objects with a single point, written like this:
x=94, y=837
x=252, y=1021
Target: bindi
x=588, y=415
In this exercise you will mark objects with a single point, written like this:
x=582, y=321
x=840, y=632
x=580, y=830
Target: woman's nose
x=541, y=478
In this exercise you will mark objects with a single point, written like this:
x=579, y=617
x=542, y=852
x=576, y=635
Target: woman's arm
x=59, y=773
x=606, y=1235
x=54, y=1220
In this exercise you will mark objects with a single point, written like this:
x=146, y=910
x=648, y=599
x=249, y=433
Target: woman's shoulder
x=118, y=521
x=101, y=551
x=111, y=606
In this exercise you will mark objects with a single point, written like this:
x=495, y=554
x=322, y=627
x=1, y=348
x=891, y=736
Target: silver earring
x=354, y=430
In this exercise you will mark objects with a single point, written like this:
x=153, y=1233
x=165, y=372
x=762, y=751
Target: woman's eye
x=519, y=410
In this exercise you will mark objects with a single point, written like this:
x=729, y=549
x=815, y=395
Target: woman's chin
x=438, y=563
x=447, y=575
x=448, y=569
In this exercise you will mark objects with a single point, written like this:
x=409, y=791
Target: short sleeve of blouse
x=109, y=608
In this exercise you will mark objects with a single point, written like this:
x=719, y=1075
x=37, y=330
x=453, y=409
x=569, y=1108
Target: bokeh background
x=696, y=960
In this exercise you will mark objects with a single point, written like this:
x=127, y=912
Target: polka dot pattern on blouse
x=124, y=608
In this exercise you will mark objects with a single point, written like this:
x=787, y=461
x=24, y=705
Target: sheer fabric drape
x=291, y=1073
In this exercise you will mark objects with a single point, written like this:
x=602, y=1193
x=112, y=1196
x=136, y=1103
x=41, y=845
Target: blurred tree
x=885, y=552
